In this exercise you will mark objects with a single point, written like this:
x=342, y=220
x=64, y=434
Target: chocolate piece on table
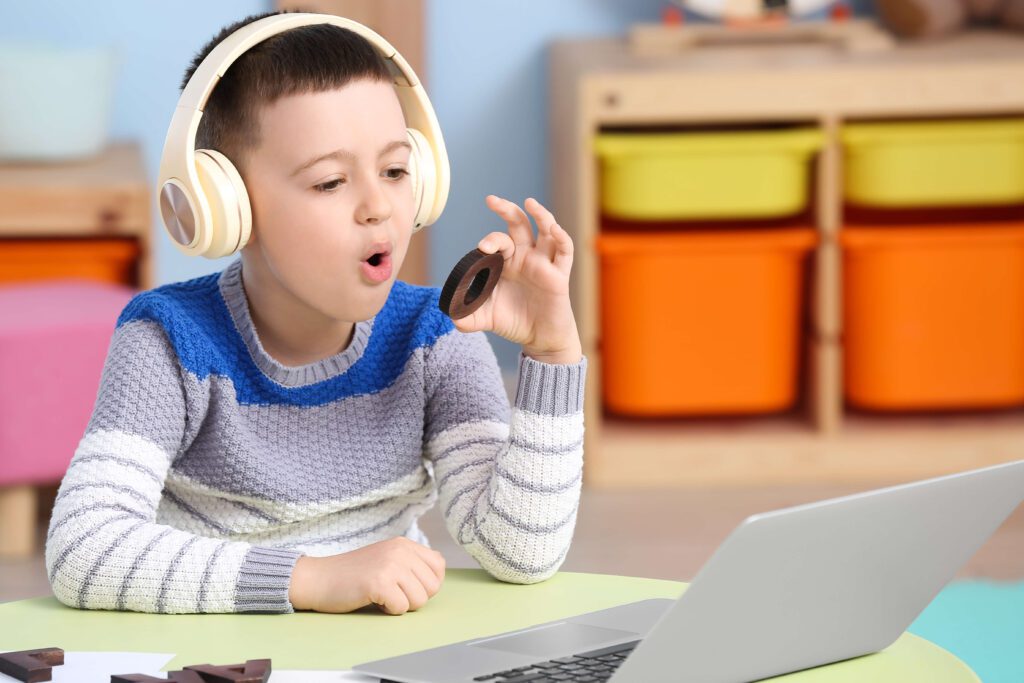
x=172, y=677
x=253, y=671
x=31, y=666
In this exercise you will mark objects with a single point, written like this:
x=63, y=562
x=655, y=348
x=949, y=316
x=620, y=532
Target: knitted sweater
x=208, y=468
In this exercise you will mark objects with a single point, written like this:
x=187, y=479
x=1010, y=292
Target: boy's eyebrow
x=347, y=155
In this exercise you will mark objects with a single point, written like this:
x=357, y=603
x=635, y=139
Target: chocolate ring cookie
x=470, y=283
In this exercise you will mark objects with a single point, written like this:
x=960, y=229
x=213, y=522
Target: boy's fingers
x=498, y=241
x=545, y=219
x=393, y=600
x=427, y=578
x=413, y=589
x=518, y=222
x=474, y=321
x=434, y=560
x=549, y=233
x=546, y=243
x=467, y=325
x=563, y=248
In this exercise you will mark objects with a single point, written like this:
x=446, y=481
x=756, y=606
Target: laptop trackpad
x=565, y=637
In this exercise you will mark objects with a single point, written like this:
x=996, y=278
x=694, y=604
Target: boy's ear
x=423, y=173
x=228, y=198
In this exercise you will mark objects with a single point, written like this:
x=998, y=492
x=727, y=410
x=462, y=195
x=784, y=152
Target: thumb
x=465, y=324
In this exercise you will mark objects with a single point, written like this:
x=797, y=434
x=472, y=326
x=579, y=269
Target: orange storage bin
x=934, y=316
x=105, y=260
x=702, y=323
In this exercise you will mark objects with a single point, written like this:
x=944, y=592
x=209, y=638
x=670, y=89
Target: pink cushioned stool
x=54, y=338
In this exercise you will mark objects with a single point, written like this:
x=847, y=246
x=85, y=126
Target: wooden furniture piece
x=99, y=198
x=340, y=641
x=95, y=199
x=601, y=83
x=402, y=23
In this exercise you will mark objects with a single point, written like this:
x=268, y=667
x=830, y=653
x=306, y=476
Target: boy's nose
x=374, y=206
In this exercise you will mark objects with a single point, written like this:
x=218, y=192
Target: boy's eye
x=332, y=185
x=329, y=186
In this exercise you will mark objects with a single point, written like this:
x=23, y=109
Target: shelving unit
x=95, y=199
x=600, y=83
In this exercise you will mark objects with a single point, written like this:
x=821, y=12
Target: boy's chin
x=369, y=306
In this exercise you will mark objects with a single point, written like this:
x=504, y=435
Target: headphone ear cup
x=229, y=203
x=424, y=177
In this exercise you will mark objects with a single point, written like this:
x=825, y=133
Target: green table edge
x=470, y=604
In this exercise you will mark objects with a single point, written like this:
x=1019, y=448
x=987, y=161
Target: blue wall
x=486, y=72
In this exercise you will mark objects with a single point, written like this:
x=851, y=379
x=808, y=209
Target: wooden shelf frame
x=105, y=196
x=599, y=83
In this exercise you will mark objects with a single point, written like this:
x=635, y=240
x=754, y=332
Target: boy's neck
x=290, y=331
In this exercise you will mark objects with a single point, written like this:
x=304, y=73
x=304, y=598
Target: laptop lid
x=823, y=582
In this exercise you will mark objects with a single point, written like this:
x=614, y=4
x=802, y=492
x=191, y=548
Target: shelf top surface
x=975, y=47
x=119, y=164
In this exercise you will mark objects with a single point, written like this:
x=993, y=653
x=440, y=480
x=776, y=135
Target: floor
x=660, y=534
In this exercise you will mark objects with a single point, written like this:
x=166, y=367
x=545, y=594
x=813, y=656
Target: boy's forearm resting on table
x=509, y=490
x=104, y=548
x=509, y=499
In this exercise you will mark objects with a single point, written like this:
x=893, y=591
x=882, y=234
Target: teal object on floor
x=982, y=623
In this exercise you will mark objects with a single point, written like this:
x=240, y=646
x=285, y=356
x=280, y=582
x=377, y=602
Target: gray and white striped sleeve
x=509, y=484
x=104, y=549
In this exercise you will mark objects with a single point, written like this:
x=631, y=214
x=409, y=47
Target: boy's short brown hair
x=304, y=59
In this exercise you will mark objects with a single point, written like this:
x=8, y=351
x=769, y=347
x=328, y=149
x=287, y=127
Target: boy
x=265, y=438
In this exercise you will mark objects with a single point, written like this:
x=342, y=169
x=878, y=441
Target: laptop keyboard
x=586, y=667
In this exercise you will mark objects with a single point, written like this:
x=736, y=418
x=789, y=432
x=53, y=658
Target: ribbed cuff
x=264, y=579
x=550, y=389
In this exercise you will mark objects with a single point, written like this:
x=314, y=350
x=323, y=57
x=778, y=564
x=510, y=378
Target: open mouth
x=377, y=266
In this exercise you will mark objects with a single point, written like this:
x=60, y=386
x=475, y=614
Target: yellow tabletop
x=469, y=605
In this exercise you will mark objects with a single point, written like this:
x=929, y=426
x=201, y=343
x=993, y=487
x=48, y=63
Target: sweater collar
x=233, y=292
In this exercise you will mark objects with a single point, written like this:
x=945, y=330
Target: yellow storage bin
x=686, y=176
x=934, y=163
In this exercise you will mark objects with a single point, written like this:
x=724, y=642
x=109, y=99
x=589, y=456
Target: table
x=469, y=605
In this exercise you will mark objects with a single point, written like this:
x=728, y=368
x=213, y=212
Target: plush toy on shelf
x=935, y=18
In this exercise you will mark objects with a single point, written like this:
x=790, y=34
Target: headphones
x=203, y=201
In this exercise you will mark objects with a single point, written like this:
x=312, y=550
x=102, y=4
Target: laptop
x=787, y=590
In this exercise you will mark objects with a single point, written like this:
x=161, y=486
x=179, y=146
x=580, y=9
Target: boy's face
x=315, y=224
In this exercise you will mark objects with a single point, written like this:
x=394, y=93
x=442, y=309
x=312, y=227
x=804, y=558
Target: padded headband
x=182, y=198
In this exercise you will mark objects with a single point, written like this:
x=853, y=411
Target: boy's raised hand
x=530, y=303
x=398, y=575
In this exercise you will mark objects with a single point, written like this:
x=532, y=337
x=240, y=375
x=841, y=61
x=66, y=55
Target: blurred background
x=799, y=233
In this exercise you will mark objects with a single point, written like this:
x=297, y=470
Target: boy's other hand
x=530, y=303
x=398, y=575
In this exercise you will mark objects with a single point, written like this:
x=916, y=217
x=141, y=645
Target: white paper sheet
x=98, y=667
